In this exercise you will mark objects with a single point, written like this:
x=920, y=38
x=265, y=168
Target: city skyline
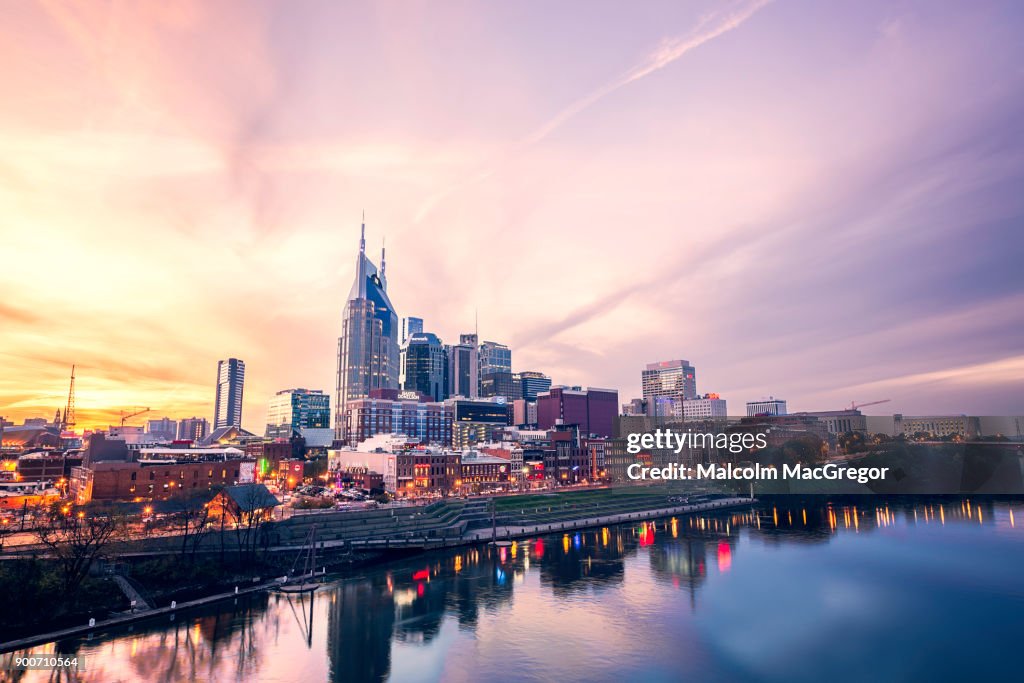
x=827, y=219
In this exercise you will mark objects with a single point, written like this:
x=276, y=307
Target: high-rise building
x=193, y=429
x=497, y=383
x=495, y=371
x=464, y=367
x=230, y=383
x=478, y=421
x=666, y=406
x=368, y=346
x=532, y=383
x=636, y=407
x=669, y=378
x=494, y=357
x=593, y=410
x=524, y=412
x=411, y=326
x=768, y=406
x=386, y=411
x=292, y=411
x=163, y=429
x=424, y=366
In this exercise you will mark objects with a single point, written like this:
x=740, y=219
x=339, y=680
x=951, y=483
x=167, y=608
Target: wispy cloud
x=709, y=27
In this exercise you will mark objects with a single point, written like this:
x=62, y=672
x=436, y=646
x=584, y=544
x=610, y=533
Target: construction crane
x=854, y=405
x=127, y=416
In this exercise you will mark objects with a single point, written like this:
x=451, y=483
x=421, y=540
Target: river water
x=829, y=592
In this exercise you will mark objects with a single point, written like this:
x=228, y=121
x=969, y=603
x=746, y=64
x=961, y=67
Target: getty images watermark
x=666, y=439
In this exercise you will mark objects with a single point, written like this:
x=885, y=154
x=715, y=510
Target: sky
x=813, y=201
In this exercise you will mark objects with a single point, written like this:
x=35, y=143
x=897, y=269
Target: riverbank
x=510, y=532
x=89, y=629
x=395, y=547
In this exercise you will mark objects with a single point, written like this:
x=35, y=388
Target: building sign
x=247, y=473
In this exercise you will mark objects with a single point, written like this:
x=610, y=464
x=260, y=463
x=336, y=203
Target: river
x=878, y=592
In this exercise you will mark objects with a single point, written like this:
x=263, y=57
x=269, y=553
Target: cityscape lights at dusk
x=411, y=341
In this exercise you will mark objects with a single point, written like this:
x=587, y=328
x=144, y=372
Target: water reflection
x=427, y=617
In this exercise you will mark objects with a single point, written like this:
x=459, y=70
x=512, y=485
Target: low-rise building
x=511, y=452
x=770, y=406
x=706, y=407
x=426, y=471
x=47, y=465
x=480, y=470
x=840, y=421
x=937, y=426
x=243, y=503
x=160, y=473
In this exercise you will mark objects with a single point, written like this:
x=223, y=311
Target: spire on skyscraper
x=362, y=235
x=359, y=286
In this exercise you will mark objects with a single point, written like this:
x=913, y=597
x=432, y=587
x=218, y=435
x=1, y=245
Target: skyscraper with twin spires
x=368, y=346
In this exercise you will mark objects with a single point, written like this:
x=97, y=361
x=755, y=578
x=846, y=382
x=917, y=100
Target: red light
x=421, y=575
x=538, y=548
x=420, y=590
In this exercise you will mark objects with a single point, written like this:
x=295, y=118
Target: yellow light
x=148, y=510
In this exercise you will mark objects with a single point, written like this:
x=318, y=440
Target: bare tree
x=77, y=539
x=190, y=515
x=251, y=514
x=245, y=508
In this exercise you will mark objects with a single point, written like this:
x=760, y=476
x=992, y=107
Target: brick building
x=161, y=473
x=594, y=411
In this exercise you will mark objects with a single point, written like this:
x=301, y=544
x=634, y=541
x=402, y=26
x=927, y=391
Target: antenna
x=69, y=411
x=362, y=235
x=383, y=265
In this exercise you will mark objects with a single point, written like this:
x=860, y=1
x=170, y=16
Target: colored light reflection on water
x=805, y=594
x=724, y=556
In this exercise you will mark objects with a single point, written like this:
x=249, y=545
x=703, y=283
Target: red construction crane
x=854, y=405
